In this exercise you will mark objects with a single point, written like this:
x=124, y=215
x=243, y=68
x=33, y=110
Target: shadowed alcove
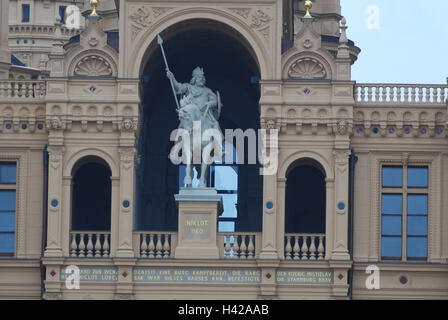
x=231, y=69
x=305, y=207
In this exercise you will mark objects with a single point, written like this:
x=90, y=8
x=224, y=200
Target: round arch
x=72, y=162
x=142, y=51
x=296, y=157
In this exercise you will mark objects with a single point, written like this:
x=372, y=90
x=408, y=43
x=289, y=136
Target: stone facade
x=89, y=106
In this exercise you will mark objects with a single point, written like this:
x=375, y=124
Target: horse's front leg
x=204, y=175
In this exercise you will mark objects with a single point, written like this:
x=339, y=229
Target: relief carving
x=93, y=66
x=307, y=68
x=259, y=19
x=144, y=16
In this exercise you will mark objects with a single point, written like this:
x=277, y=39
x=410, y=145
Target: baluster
x=166, y=246
x=251, y=248
x=227, y=246
x=443, y=95
x=369, y=94
x=236, y=247
x=305, y=248
x=106, y=245
x=151, y=246
x=25, y=86
x=377, y=93
x=384, y=94
x=428, y=95
x=320, y=249
x=143, y=246
x=44, y=89
x=159, y=246
x=413, y=94
x=296, y=248
x=288, y=248
x=73, y=245
x=406, y=94
x=81, y=246
x=313, y=248
x=363, y=94
x=89, y=245
x=11, y=89
x=97, y=252
x=2, y=89
x=21, y=89
x=243, y=248
x=419, y=95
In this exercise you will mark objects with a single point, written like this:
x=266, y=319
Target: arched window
x=305, y=207
x=91, y=195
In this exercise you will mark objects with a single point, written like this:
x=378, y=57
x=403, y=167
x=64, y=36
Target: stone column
x=54, y=215
x=329, y=221
x=281, y=206
x=340, y=205
x=270, y=219
x=5, y=55
x=126, y=216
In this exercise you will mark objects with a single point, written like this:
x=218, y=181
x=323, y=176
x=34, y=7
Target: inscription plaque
x=93, y=274
x=197, y=275
x=197, y=226
x=305, y=277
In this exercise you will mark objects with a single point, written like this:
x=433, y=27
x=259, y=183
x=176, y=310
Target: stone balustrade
x=238, y=245
x=155, y=245
x=400, y=94
x=90, y=244
x=304, y=246
x=22, y=89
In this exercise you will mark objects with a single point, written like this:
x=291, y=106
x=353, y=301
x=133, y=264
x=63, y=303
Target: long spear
x=160, y=42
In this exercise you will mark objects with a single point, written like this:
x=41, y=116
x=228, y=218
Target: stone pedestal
x=198, y=214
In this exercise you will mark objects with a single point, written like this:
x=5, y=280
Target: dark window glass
x=7, y=221
x=417, y=204
x=7, y=200
x=26, y=13
x=417, y=225
x=8, y=173
x=418, y=177
x=62, y=13
x=391, y=226
x=417, y=247
x=392, y=204
x=391, y=247
x=6, y=243
x=392, y=177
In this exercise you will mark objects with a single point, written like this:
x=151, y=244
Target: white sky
x=408, y=45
